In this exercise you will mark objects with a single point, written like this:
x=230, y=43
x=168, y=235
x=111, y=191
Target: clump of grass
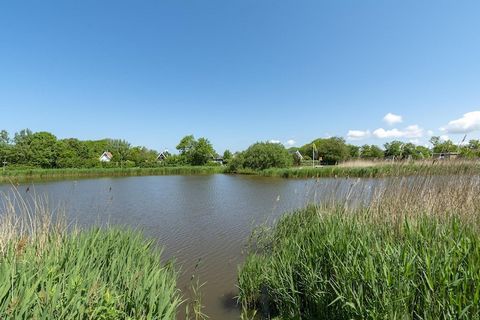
x=412, y=252
x=49, y=272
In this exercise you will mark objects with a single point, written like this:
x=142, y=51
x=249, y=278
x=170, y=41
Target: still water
x=195, y=218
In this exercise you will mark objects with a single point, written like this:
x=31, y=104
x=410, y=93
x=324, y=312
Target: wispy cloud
x=444, y=137
x=358, y=134
x=468, y=123
x=274, y=141
x=290, y=143
x=413, y=131
x=392, y=119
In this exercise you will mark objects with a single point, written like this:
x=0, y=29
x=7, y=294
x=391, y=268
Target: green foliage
x=440, y=146
x=4, y=138
x=264, y=155
x=423, y=152
x=374, y=171
x=332, y=150
x=353, y=151
x=235, y=165
x=98, y=274
x=227, y=156
x=195, y=152
x=43, y=150
x=394, y=149
x=371, y=152
x=120, y=149
x=400, y=150
x=471, y=150
x=316, y=264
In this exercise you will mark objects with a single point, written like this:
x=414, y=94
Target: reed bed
x=376, y=170
x=51, y=271
x=412, y=251
x=38, y=174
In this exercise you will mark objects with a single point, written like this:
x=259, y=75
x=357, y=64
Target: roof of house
x=107, y=154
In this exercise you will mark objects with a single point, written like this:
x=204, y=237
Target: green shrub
x=264, y=155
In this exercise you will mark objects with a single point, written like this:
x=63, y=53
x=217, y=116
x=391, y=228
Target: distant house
x=163, y=155
x=106, y=157
x=298, y=155
x=218, y=160
x=446, y=155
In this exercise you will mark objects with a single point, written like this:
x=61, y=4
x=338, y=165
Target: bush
x=264, y=155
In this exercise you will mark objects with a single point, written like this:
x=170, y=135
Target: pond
x=205, y=219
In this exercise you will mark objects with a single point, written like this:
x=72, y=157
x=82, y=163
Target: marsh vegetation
x=411, y=252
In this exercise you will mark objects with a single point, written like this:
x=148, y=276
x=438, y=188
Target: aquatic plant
x=49, y=271
x=412, y=252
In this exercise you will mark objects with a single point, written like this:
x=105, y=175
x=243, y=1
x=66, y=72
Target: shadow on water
x=230, y=301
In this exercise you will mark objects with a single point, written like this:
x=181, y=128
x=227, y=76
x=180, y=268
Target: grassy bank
x=373, y=171
x=49, y=273
x=41, y=174
x=412, y=253
x=361, y=171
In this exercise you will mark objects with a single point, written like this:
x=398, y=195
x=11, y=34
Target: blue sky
x=238, y=72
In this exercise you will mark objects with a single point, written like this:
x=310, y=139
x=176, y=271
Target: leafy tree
x=120, y=149
x=195, y=152
x=394, y=149
x=201, y=153
x=43, y=149
x=353, y=151
x=186, y=144
x=423, y=152
x=5, y=148
x=4, y=137
x=21, y=153
x=331, y=150
x=236, y=163
x=141, y=156
x=264, y=155
x=471, y=150
x=371, y=152
x=227, y=156
x=443, y=146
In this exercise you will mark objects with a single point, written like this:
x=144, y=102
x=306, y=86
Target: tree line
x=44, y=150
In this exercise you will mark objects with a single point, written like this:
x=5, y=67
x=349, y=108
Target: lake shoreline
x=373, y=171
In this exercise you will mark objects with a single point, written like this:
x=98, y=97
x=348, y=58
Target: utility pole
x=313, y=154
x=4, y=164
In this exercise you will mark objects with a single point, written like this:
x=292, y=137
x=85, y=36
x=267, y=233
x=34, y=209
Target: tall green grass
x=47, y=272
x=36, y=174
x=412, y=253
x=375, y=171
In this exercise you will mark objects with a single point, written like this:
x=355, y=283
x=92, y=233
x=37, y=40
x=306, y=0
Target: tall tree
x=195, y=152
x=42, y=149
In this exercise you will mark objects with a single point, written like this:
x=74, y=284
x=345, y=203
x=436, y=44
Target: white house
x=106, y=157
x=163, y=155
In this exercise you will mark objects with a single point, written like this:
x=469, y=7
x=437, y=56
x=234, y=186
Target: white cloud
x=468, y=123
x=415, y=141
x=290, y=142
x=413, y=131
x=357, y=134
x=444, y=137
x=391, y=118
x=430, y=133
x=274, y=141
